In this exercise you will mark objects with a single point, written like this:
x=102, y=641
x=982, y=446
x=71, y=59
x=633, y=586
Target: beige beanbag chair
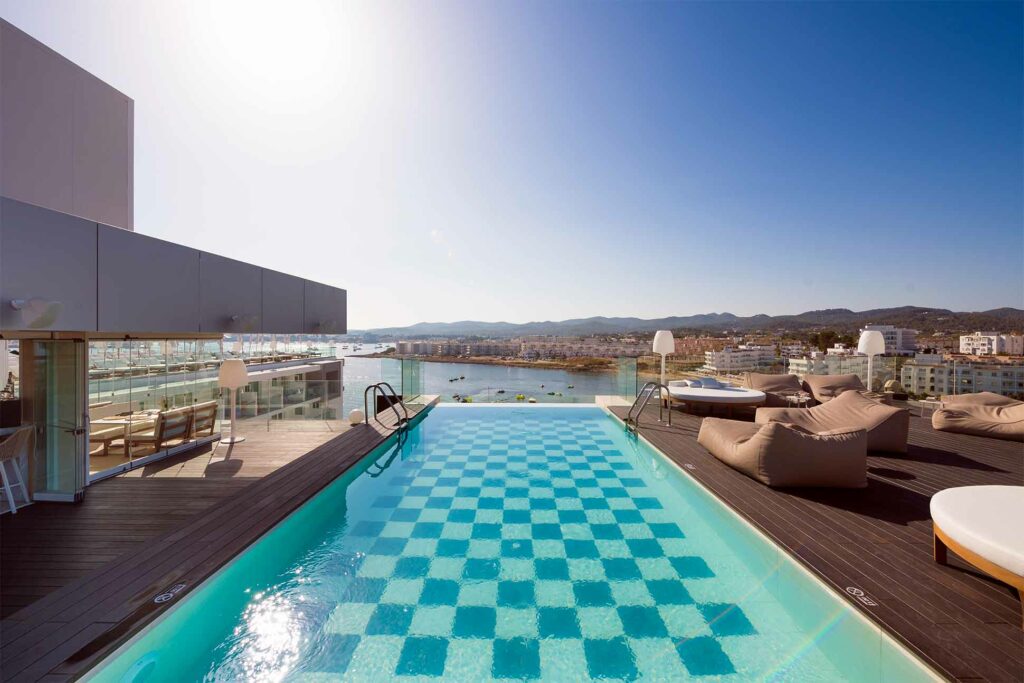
x=1004, y=421
x=887, y=426
x=781, y=455
x=775, y=387
x=824, y=388
x=983, y=398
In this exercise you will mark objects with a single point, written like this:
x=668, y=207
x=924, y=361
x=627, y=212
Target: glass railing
x=287, y=405
x=510, y=381
x=887, y=373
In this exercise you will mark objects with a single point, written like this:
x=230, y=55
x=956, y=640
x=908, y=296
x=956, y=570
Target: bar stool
x=17, y=444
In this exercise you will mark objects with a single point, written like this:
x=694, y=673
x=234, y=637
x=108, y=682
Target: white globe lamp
x=664, y=344
x=356, y=417
x=233, y=376
x=871, y=344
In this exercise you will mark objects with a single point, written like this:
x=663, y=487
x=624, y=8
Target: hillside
x=840, y=319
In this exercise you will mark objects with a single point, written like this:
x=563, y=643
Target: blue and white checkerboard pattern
x=522, y=548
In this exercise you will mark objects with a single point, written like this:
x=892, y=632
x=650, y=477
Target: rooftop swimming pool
x=505, y=542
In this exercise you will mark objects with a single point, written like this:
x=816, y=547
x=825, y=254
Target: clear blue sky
x=547, y=160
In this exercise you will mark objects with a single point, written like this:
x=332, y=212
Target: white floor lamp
x=871, y=344
x=664, y=344
x=233, y=376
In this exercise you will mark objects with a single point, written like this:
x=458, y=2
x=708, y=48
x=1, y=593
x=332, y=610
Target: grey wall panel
x=66, y=136
x=230, y=295
x=48, y=261
x=146, y=284
x=325, y=309
x=104, y=158
x=36, y=122
x=282, y=303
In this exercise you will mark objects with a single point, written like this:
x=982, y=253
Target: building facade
x=992, y=344
x=117, y=333
x=936, y=375
x=741, y=358
x=581, y=347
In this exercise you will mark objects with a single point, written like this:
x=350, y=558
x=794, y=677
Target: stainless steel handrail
x=641, y=401
x=391, y=397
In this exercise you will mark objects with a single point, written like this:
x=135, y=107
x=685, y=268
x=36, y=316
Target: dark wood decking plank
x=39, y=638
x=879, y=539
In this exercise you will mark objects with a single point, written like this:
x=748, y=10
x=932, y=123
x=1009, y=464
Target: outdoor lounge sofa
x=887, y=427
x=824, y=388
x=782, y=455
x=172, y=428
x=981, y=414
x=981, y=525
x=775, y=387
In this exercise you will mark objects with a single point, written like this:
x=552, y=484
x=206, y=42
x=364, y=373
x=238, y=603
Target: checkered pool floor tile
x=519, y=548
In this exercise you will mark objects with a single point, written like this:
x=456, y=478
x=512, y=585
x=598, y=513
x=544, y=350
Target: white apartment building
x=898, y=340
x=492, y=348
x=834, y=363
x=741, y=358
x=936, y=375
x=568, y=347
x=792, y=350
x=992, y=344
x=414, y=348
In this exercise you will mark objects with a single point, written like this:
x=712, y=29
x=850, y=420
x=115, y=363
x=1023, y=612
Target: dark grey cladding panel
x=282, y=303
x=48, y=266
x=146, y=284
x=326, y=309
x=230, y=295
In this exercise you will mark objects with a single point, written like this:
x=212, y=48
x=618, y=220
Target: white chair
x=16, y=445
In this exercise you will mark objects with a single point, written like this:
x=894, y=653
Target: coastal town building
x=835, y=361
x=743, y=358
x=580, y=347
x=935, y=374
x=697, y=346
x=992, y=344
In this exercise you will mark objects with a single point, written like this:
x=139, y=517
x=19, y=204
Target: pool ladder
x=645, y=395
x=394, y=403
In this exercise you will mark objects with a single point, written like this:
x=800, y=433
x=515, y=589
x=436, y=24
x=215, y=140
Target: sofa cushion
x=996, y=421
x=775, y=387
x=982, y=398
x=824, y=388
x=887, y=427
x=782, y=455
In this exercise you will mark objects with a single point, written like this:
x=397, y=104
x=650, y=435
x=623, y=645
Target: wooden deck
x=878, y=539
x=82, y=578
x=48, y=545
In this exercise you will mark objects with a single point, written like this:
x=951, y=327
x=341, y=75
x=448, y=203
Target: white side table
x=798, y=400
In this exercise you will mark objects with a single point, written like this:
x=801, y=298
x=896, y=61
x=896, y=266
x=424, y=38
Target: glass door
x=55, y=404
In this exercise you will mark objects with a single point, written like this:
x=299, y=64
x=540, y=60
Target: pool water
x=512, y=543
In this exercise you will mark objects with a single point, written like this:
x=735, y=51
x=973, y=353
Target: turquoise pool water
x=512, y=543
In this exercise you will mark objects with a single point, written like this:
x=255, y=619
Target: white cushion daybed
x=982, y=524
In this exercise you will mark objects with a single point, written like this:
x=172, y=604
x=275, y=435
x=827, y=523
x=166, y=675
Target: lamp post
x=663, y=344
x=871, y=344
x=233, y=375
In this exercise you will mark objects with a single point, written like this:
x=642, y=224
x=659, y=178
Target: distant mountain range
x=839, y=319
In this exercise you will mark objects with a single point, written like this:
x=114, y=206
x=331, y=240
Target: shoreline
x=595, y=365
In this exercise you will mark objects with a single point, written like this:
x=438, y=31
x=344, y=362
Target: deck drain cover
x=169, y=594
x=861, y=596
